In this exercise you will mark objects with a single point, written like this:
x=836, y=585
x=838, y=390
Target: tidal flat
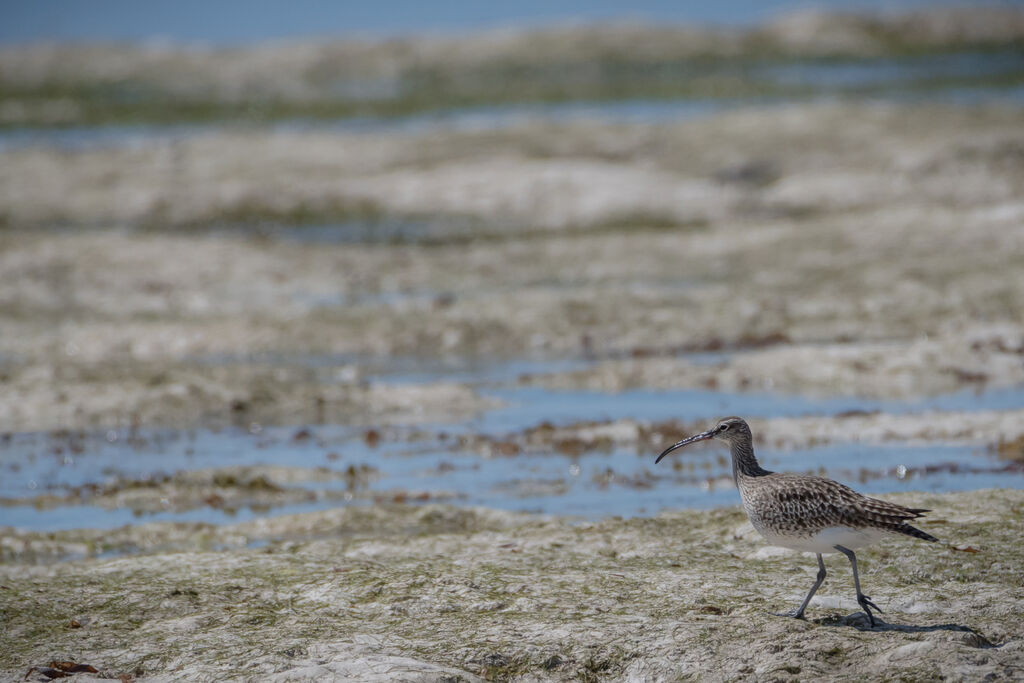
x=369, y=80
x=438, y=593
x=295, y=397
x=877, y=252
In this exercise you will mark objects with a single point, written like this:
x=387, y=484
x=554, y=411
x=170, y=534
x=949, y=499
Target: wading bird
x=807, y=513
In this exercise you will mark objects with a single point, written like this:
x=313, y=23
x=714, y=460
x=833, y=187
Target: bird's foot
x=865, y=603
x=793, y=614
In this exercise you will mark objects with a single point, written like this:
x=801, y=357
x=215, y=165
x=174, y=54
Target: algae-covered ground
x=443, y=594
x=53, y=85
x=203, y=328
x=859, y=249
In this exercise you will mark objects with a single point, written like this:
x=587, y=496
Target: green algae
x=677, y=595
x=46, y=86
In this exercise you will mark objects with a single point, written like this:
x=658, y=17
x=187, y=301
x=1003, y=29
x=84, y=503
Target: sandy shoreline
x=474, y=593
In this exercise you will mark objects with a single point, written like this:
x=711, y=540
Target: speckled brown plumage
x=807, y=513
x=803, y=505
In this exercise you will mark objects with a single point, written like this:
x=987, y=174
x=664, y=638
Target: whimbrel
x=807, y=513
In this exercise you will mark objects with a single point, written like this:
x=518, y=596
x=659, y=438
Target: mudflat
x=864, y=254
x=441, y=593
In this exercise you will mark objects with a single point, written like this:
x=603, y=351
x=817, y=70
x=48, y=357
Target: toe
x=866, y=602
x=791, y=614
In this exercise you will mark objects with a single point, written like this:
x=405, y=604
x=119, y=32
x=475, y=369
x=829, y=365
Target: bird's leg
x=862, y=600
x=799, y=613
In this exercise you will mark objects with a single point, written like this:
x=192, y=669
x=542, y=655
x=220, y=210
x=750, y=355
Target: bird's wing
x=812, y=503
x=798, y=503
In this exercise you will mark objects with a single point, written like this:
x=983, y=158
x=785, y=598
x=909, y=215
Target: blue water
x=74, y=138
x=235, y=21
x=595, y=484
x=529, y=406
x=852, y=74
x=632, y=111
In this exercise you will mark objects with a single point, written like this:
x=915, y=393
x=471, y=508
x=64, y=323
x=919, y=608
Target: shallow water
x=959, y=78
x=599, y=483
x=592, y=485
x=858, y=74
x=528, y=407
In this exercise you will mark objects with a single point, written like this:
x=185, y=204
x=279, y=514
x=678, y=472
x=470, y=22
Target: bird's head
x=728, y=429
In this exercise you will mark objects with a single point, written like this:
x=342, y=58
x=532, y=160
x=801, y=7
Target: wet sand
x=438, y=593
x=884, y=257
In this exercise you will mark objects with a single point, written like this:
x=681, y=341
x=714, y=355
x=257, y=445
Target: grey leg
x=862, y=600
x=799, y=614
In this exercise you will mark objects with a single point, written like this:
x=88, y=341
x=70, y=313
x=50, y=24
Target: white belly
x=826, y=540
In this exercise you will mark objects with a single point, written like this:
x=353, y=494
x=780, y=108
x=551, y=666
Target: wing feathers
x=793, y=503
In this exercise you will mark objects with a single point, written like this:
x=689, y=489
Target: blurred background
x=230, y=22
x=263, y=258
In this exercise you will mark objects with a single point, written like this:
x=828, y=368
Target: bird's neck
x=744, y=464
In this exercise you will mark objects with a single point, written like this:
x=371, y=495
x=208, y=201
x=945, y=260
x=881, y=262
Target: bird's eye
x=723, y=428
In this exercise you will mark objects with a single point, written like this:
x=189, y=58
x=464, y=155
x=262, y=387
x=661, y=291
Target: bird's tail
x=893, y=517
x=913, y=531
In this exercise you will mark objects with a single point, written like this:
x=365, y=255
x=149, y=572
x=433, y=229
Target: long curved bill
x=703, y=436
